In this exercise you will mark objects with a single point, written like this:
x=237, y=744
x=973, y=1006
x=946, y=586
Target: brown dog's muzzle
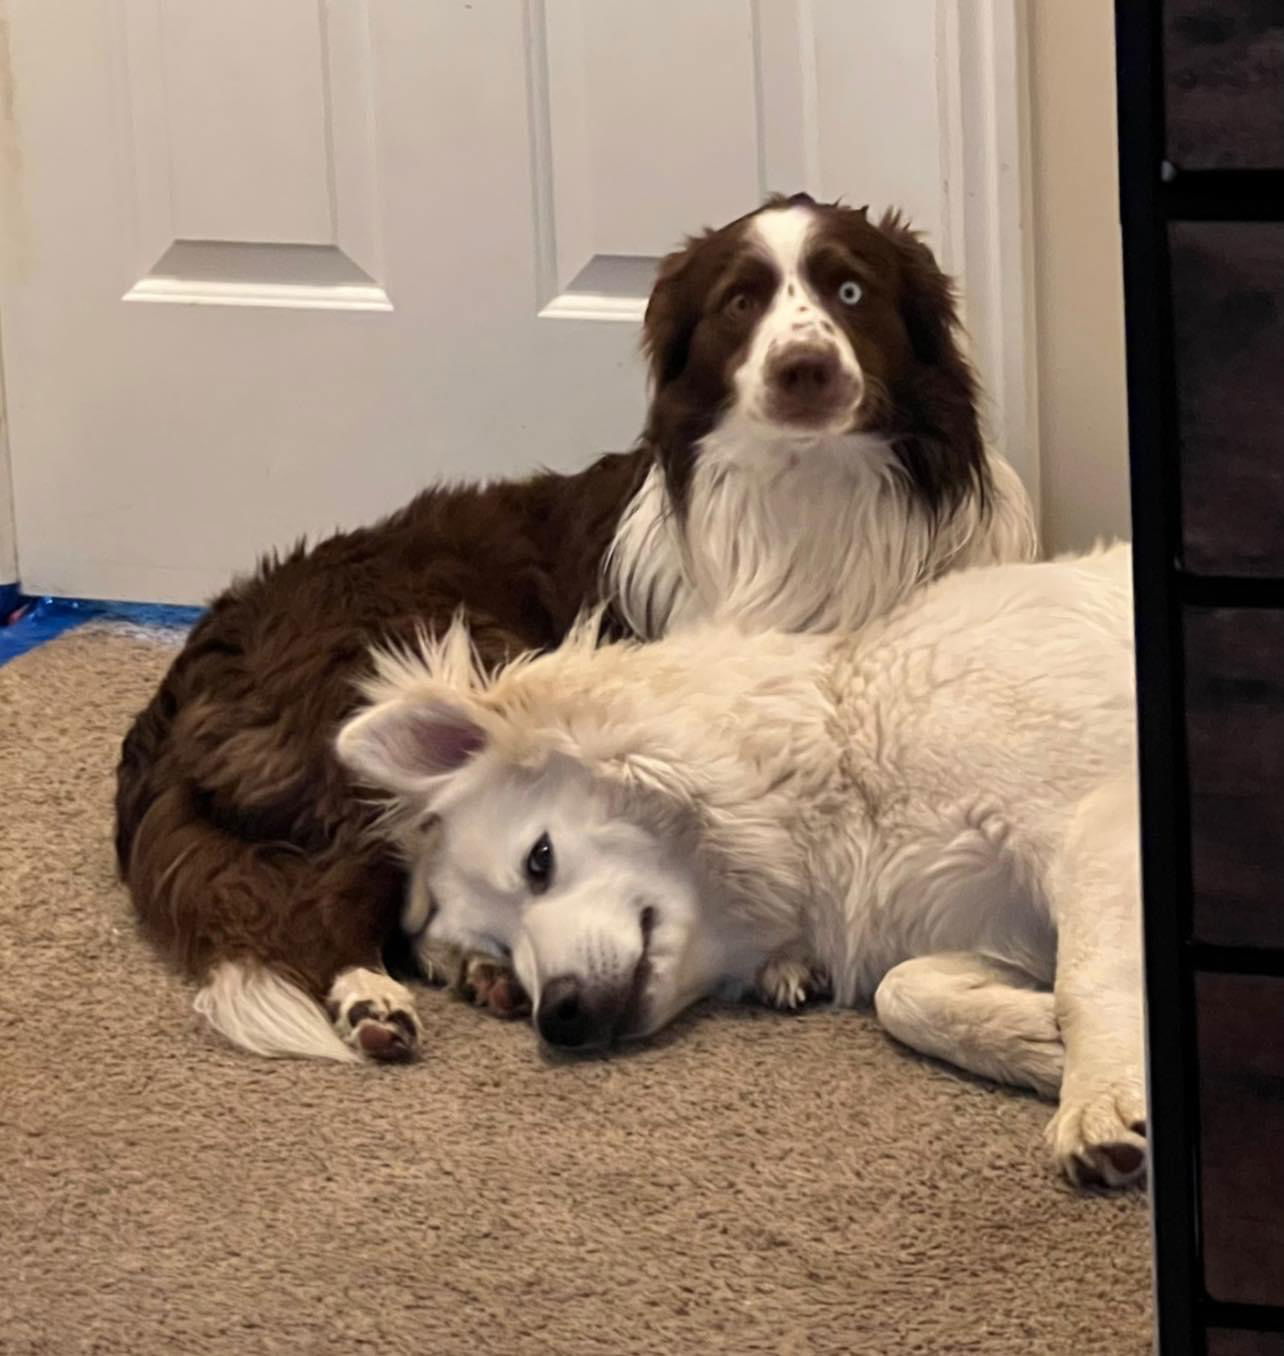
x=806, y=385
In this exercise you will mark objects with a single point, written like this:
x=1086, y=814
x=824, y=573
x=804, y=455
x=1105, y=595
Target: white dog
x=937, y=813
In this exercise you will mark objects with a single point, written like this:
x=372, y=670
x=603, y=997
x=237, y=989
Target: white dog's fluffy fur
x=936, y=813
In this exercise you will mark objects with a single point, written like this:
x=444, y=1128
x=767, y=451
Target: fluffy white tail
x=267, y=1015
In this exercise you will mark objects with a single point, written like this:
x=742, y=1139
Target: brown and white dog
x=812, y=454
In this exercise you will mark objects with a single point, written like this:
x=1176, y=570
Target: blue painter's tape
x=28, y=622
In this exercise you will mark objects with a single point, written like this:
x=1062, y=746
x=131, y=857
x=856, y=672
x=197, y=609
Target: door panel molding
x=252, y=153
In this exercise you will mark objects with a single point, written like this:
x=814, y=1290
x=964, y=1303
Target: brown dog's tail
x=204, y=894
x=264, y=927
x=136, y=774
x=239, y=841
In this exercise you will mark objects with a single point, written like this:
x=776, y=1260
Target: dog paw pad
x=375, y=1015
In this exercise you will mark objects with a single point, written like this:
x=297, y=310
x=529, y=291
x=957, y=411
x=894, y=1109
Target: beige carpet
x=751, y=1183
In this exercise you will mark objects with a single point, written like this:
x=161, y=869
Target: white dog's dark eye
x=850, y=292
x=741, y=304
x=539, y=865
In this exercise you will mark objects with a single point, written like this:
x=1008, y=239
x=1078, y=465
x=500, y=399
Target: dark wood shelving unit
x=1201, y=146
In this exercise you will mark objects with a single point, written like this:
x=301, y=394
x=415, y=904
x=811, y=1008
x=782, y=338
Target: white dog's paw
x=374, y=1015
x=788, y=982
x=439, y=962
x=1100, y=1139
x=489, y=983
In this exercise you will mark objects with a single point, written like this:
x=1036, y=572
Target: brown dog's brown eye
x=740, y=305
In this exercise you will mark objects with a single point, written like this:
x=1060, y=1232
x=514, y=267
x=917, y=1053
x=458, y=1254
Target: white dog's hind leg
x=1098, y=1134
x=977, y=1013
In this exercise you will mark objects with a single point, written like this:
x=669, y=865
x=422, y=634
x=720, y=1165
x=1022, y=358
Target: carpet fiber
x=748, y=1183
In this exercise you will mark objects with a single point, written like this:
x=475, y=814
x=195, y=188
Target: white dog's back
x=1009, y=671
x=976, y=717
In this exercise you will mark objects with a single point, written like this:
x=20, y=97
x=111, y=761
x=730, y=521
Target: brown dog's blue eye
x=850, y=292
x=539, y=865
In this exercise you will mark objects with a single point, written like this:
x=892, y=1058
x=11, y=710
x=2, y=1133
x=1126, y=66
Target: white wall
x=8, y=538
x=10, y=255
x=1079, y=284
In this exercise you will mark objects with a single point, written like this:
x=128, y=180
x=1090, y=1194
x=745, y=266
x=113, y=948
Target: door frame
x=10, y=253
x=987, y=172
x=8, y=519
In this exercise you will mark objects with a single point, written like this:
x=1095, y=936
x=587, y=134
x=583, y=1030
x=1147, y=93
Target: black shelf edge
x=1221, y=195
x=1212, y=958
x=1248, y=1317
x=1178, y=1273
x=1204, y=590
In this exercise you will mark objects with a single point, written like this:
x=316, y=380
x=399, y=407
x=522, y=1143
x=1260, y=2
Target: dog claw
x=790, y=982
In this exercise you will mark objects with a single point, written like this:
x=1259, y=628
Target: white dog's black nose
x=569, y=1018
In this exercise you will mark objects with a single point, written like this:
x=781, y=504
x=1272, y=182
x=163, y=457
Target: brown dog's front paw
x=375, y=1015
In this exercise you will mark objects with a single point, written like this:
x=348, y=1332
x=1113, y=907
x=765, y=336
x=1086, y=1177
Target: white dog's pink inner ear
x=398, y=744
x=438, y=738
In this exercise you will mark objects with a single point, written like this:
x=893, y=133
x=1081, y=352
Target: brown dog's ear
x=930, y=303
x=941, y=446
x=670, y=314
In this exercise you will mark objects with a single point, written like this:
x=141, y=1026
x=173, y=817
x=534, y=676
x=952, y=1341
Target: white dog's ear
x=399, y=745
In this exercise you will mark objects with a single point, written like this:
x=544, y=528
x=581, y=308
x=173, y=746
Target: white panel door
x=269, y=268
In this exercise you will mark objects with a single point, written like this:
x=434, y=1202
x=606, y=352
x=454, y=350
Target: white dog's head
x=523, y=844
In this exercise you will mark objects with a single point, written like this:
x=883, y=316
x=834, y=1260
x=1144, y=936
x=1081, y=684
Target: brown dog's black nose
x=807, y=385
x=805, y=373
x=568, y=1018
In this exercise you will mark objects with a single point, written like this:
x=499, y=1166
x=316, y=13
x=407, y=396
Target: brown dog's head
x=806, y=319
